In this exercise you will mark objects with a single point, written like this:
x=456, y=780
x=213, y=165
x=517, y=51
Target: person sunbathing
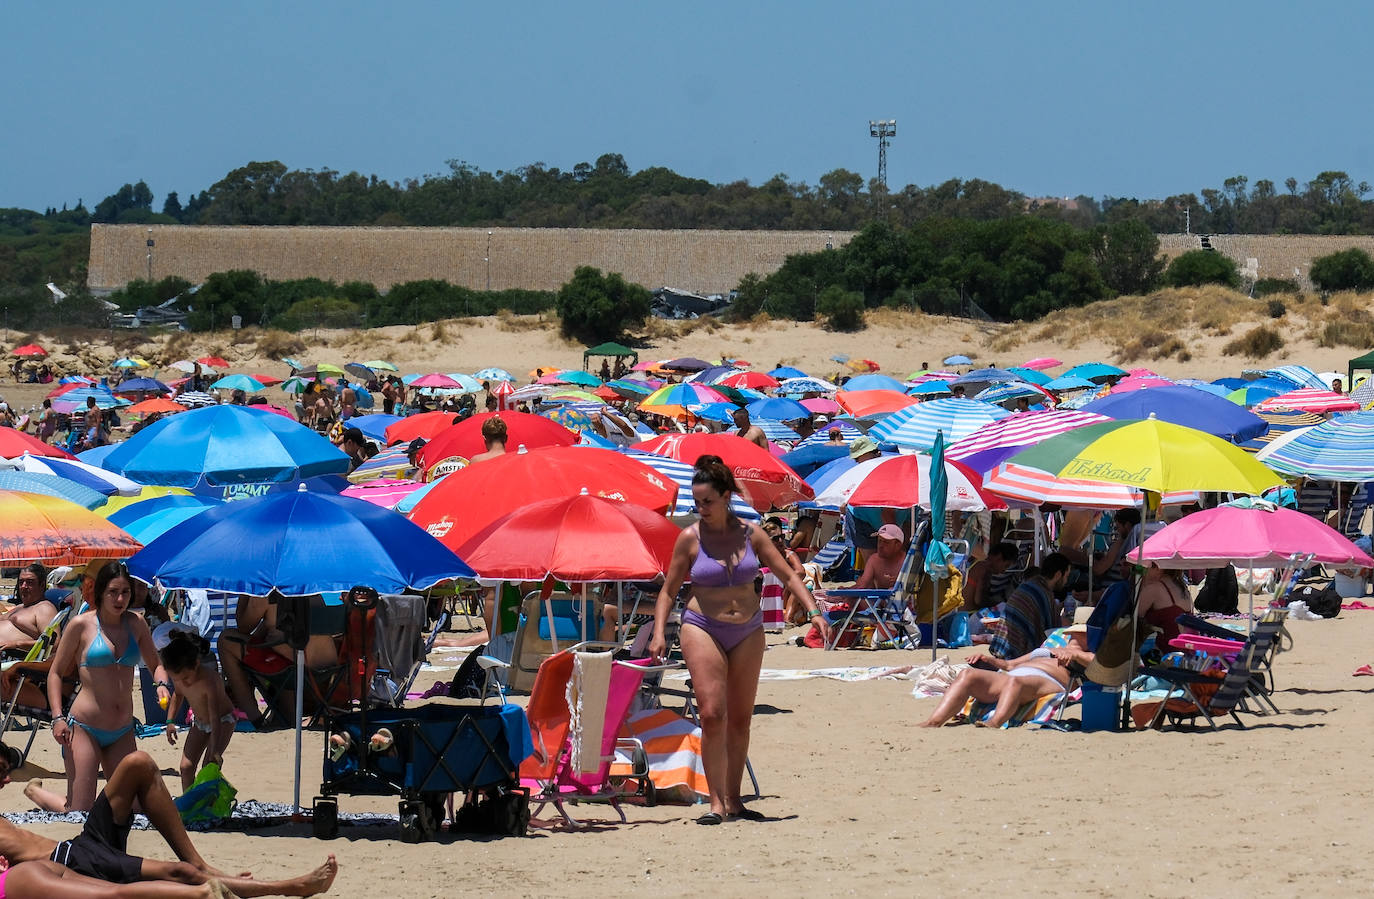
x=1009, y=684
x=22, y=625
x=100, y=850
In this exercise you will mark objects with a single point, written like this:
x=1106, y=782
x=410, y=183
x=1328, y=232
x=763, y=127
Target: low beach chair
x=33, y=672
x=1201, y=693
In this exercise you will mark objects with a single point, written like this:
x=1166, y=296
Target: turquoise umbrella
x=937, y=553
x=238, y=382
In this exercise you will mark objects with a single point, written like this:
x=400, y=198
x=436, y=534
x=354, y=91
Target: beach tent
x=609, y=348
x=1363, y=364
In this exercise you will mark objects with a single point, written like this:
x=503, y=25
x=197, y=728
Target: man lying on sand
x=99, y=851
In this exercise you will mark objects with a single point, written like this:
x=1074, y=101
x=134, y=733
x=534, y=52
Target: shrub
x=1265, y=286
x=1351, y=269
x=843, y=310
x=1277, y=309
x=1255, y=343
x=596, y=307
x=319, y=312
x=1198, y=267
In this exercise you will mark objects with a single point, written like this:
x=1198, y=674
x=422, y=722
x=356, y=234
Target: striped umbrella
x=1021, y=486
x=766, y=482
x=994, y=443
x=1311, y=399
x=681, y=474
x=1364, y=394
x=902, y=482
x=196, y=398
x=915, y=426
x=776, y=431
x=57, y=532
x=1015, y=390
x=106, y=483
x=754, y=379
x=848, y=433
x=1300, y=375
x=1280, y=422
x=384, y=492
x=1341, y=449
x=50, y=485
x=1250, y=396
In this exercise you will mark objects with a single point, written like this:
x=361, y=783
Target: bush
x=1198, y=267
x=1255, y=343
x=1266, y=286
x=320, y=312
x=1351, y=269
x=596, y=307
x=843, y=310
x=1277, y=309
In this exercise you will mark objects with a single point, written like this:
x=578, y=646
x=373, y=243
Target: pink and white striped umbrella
x=1021, y=486
x=1309, y=399
x=384, y=492
x=994, y=443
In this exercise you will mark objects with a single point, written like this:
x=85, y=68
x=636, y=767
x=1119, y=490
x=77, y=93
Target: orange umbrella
x=156, y=404
x=267, y=380
x=214, y=361
x=57, y=532
x=868, y=403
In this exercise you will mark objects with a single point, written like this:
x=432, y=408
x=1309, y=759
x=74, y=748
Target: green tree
x=843, y=310
x=1351, y=269
x=1198, y=267
x=225, y=294
x=596, y=307
x=1127, y=255
x=749, y=298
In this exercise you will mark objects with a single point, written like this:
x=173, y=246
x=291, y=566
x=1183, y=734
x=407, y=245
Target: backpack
x=1321, y=599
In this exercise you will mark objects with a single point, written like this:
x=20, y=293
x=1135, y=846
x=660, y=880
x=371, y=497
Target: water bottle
x=1070, y=608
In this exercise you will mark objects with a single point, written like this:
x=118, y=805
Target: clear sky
x=1048, y=98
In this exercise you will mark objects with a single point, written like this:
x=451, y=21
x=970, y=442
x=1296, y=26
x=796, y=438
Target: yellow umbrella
x=115, y=503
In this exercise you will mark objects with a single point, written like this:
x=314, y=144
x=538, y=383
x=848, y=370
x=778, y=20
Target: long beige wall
x=531, y=258
x=1286, y=256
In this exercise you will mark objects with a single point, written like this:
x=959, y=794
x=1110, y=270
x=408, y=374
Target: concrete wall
x=531, y=258
x=1287, y=256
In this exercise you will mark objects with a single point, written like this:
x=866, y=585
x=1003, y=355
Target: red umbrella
x=469, y=499
x=30, y=349
x=426, y=425
x=755, y=380
x=574, y=538
x=14, y=444
x=465, y=438
x=214, y=361
x=1310, y=399
x=267, y=380
x=904, y=481
x=501, y=390
x=766, y=482
x=868, y=403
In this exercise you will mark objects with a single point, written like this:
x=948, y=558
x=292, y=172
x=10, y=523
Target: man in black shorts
x=100, y=850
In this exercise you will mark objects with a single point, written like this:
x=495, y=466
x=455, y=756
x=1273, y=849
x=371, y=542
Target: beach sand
x=870, y=804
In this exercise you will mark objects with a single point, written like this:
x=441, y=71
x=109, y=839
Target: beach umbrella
x=994, y=443
x=222, y=445
x=862, y=365
x=502, y=391
x=493, y=374
x=1299, y=375
x=848, y=433
x=686, y=363
x=1140, y=382
x=873, y=403
x=937, y=552
x=380, y=365
x=982, y=378
x=74, y=379
x=577, y=376
x=566, y=393
x=295, y=384
x=470, y=498
x=821, y=405
x=806, y=457
x=1230, y=383
x=246, y=383
x=1260, y=534
x=777, y=409
x=1042, y=363
x=1280, y=422
x=709, y=375
x=840, y=358
x=374, y=426
x=149, y=492
x=1015, y=390
x=360, y=371
x=434, y=379
x=1250, y=395
x=128, y=363
x=320, y=370
x=29, y=349
x=570, y=417
x=680, y=473
x=574, y=539
x=1364, y=394
x=766, y=482
x=148, y=520
x=756, y=380
x=50, y=485
x=197, y=398
x=14, y=444
x=389, y=463
x=1204, y=386
x=723, y=412
x=1030, y=375
x=426, y=425
x=106, y=483
x=803, y=384
x=1095, y=371
x=1309, y=399
x=916, y=426
x=158, y=404
x=1183, y=406
x=957, y=360
x=776, y=431
x=189, y=367
x=1341, y=449
x=215, y=361
x=384, y=492
x=628, y=388
x=674, y=399
x=295, y=365
x=1066, y=383
x=929, y=389
x=897, y=482
x=783, y=372
x=1028, y=487
x=874, y=382
x=464, y=440
x=39, y=528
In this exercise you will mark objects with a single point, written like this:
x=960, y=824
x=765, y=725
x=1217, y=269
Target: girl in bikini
x=196, y=679
x=103, y=646
x=722, y=628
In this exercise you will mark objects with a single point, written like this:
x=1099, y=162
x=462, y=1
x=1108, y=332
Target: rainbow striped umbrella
x=674, y=398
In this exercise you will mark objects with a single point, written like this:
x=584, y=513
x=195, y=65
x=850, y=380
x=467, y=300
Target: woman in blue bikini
x=103, y=645
x=722, y=628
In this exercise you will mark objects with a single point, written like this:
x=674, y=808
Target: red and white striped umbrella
x=1310, y=399
x=1022, y=486
x=903, y=482
x=997, y=441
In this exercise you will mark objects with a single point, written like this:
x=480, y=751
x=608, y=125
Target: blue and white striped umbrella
x=50, y=485
x=106, y=483
x=776, y=431
x=848, y=433
x=681, y=473
x=915, y=426
x=1341, y=449
x=806, y=385
x=1000, y=393
x=1300, y=375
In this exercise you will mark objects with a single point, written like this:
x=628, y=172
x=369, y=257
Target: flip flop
x=747, y=814
x=710, y=818
x=1363, y=671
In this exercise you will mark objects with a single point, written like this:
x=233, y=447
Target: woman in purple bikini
x=722, y=628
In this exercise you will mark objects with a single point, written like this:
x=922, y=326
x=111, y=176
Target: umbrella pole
x=300, y=711
x=1135, y=605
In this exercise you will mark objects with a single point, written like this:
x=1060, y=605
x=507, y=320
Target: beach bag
x=1321, y=599
x=210, y=800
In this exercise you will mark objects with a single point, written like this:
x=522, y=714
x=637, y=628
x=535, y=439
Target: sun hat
x=862, y=446
x=890, y=532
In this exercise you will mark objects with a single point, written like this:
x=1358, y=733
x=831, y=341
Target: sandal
x=748, y=814
x=710, y=818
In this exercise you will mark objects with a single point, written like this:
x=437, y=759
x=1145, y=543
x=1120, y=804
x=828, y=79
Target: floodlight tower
x=882, y=129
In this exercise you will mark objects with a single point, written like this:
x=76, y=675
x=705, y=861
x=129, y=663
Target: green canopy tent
x=1363, y=364
x=610, y=348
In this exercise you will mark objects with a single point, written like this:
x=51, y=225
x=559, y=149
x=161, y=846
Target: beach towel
x=770, y=600
x=587, y=690
x=673, y=745
x=209, y=800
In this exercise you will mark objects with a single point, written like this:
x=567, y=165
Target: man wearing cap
x=881, y=570
x=20, y=628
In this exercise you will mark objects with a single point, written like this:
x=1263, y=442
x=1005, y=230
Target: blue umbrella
x=806, y=384
x=148, y=384
x=713, y=374
x=1231, y=383
x=808, y=457
x=777, y=409
x=96, y=455
x=1065, y=383
x=985, y=376
x=1030, y=374
x=848, y=433
x=715, y=411
x=126, y=362
x=776, y=431
x=930, y=388
x=957, y=360
x=493, y=374
x=373, y=426
x=103, y=398
x=1300, y=375
x=916, y=426
x=150, y=519
x=1096, y=371
x=79, y=471
x=783, y=372
x=1341, y=449
x=228, y=382
x=626, y=387
x=937, y=553
x=225, y=444
x=875, y=382
x=1000, y=393
x=50, y=485
x=1182, y=406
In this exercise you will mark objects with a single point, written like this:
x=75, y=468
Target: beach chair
x=577, y=707
x=833, y=554
x=1202, y=693
x=549, y=621
x=34, y=671
x=321, y=682
x=401, y=645
x=886, y=611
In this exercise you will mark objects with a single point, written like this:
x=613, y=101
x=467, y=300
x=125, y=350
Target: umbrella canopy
x=1250, y=395
x=435, y=379
x=667, y=400
x=216, y=361
x=14, y=444
x=426, y=425
x=803, y=384
x=50, y=485
x=1261, y=535
x=957, y=360
x=380, y=365
x=629, y=388
x=158, y=404
x=981, y=378
x=1140, y=382
x=994, y=443
x=1341, y=449
x=1021, y=486
x=146, y=521
x=777, y=409
x=493, y=374
x=298, y=543
x=187, y=366
x=220, y=445
x=389, y=463
x=1150, y=454
x=1015, y=390
x=874, y=382
x=1310, y=399
x=873, y=403
x=464, y=440
x=149, y=492
x=57, y=532
x=574, y=539
x=783, y=372
x=1095, y=371
x=904, y=481
x=807, y=456
x=1183, y=406
x=577, y=376
x=680, y=473
x=821, y=405
x=766, y=482
x=106, y=483
x=1280, y=423
x=136, y=385
x=469, y=499
x=1299, y=376
x=756, y=380
x=1030, y=375
x=384, y=492
x=246, y=383
x=848, y=433
x=916, y=426
x=776, y=431
x=686, y=363
x=29, y=349
x=1042, y=363
x=861, y=365
x=1065, y=383
x=927, y=389
x=374, y=426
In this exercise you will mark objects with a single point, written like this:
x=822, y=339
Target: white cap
x=162, y=634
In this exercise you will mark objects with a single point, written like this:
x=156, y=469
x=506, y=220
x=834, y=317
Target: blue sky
x=1056, y=98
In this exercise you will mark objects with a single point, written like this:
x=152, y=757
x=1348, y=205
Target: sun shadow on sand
x=1303, y=691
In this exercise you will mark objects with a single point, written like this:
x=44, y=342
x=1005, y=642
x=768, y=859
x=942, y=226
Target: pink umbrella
x=1264, y=536
x=1042, y=363
x=822, y=405
x=434, y=380
x=1309, y=399
x=1140, y=382
x=280, y=410
x=384, y=492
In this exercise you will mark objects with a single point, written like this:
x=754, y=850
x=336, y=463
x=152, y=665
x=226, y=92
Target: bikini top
x=100, y=654
x=709, y=572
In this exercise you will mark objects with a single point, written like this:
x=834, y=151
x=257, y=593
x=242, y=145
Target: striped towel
x=770, y=600
x=1040, y=710
x=673, y=745
x=587, y=692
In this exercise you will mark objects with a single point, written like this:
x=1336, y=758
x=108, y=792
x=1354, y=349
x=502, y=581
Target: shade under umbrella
x=57, y=532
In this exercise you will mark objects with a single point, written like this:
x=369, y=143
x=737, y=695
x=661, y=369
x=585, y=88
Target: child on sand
x=196, y=679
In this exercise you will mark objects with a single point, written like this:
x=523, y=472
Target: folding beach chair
x=887, y=611
x=401, y=645
x=549, y=621
x=34, y=671
x=1203, y=694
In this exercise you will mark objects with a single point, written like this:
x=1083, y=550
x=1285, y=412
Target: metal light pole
x=488, y=261
x=882, y=129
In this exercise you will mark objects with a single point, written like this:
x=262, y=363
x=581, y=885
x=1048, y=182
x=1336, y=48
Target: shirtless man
x=21, y=628
x=881, y=570
x=751, y=432
x=99, y=851
x=494, y=434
